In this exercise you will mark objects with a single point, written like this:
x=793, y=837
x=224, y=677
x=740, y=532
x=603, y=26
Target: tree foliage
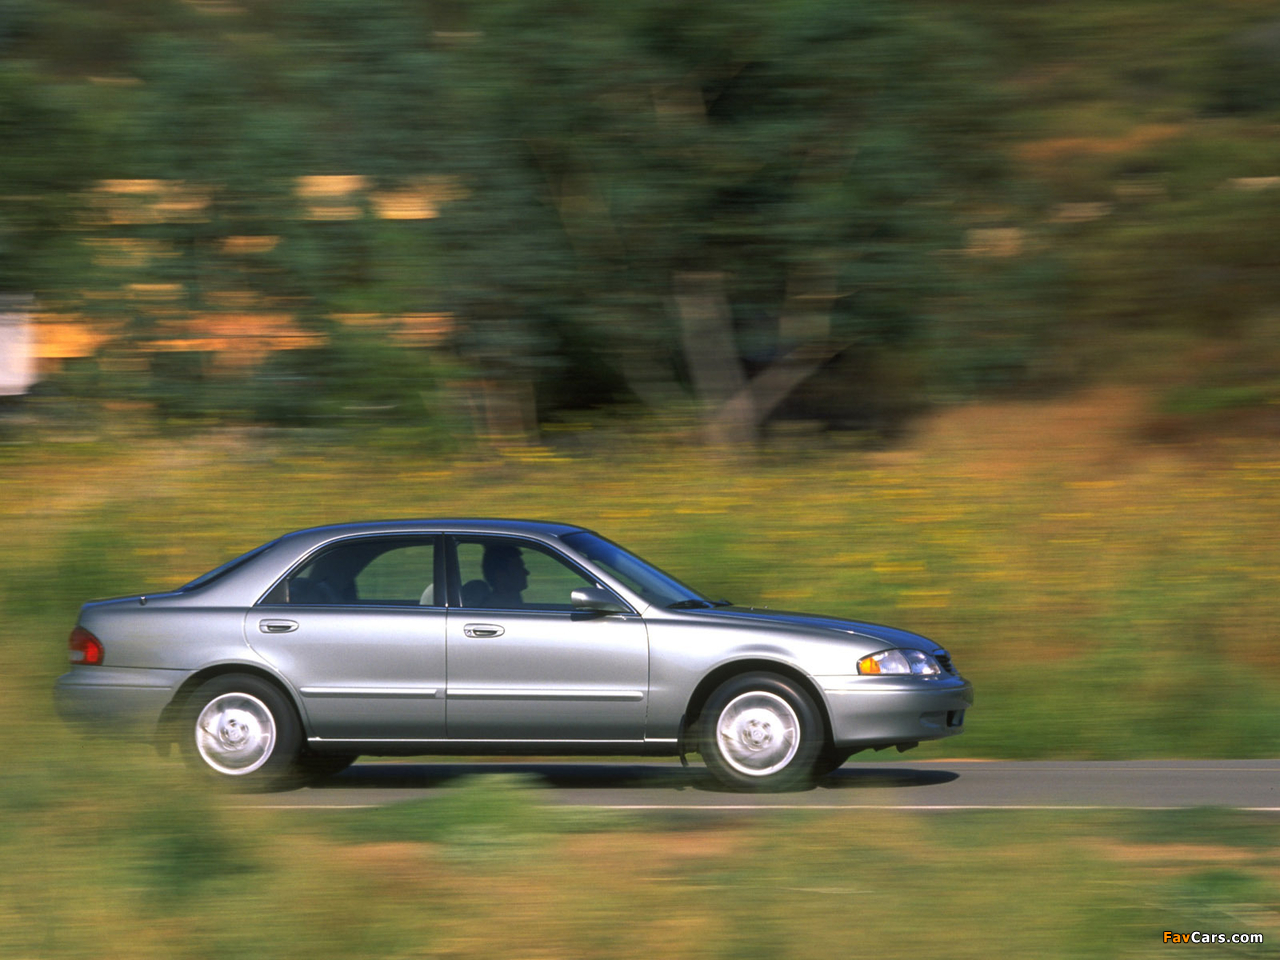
x=725, y=197
x=708, y=206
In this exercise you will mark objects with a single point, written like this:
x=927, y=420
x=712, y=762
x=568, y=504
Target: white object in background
x=17, y=346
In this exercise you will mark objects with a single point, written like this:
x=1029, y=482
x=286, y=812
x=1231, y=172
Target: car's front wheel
x=242, y=732
x=830, y=759
x=760, y=731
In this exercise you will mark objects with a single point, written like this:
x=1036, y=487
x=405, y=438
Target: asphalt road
x=902, y=785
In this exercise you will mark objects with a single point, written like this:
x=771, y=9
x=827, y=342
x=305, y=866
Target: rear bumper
x=884, y=711
x=118, y=702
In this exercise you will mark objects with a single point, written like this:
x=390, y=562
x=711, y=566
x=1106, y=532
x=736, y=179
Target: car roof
x=542, y=528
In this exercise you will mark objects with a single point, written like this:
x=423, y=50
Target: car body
x=490, y=636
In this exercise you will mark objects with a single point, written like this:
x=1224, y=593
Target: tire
x=242, y=733
x=315, y=768
x=760, y=731
x=829, y=761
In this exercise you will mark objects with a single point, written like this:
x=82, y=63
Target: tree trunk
x=706, y=334
x=504, y=411
x=739, y=419
x=733, y=407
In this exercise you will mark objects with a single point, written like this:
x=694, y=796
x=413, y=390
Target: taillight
x=84, y=647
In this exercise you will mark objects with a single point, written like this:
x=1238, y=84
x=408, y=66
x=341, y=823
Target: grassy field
x=1107, y=599
x=142, y=868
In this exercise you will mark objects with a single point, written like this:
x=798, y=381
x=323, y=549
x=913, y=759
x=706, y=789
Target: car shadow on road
x=853, y=777
x=606, y=776
x=382, y=775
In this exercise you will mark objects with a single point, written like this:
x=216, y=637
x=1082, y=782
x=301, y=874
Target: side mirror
x=597, y=600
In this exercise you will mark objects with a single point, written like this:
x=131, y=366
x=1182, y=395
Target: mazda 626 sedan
x=491, y=636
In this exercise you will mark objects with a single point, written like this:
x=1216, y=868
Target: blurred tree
x=44, y=137
x=711, y=200
x=728, y=194
x=243, y=149
x=1246, y=78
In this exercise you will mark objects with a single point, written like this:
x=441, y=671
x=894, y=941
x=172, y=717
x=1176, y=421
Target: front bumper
x=884, y=711
x=119, y=702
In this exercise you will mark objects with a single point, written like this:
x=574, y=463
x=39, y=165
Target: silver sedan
x=490, y=636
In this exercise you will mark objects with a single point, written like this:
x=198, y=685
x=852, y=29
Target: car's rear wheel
x=243, y=733
x=760, y=731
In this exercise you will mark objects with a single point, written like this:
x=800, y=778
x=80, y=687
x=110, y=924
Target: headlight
x=900, y=662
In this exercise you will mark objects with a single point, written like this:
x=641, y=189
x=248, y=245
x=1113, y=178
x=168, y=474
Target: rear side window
x=373, y=571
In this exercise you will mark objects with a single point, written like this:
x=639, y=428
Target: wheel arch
x=708, y=684
x=167, y=730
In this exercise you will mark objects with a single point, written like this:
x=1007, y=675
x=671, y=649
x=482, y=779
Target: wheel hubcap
x=758, y=733
x=235, y=734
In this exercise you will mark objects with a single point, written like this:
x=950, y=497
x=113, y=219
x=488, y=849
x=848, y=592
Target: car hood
x=781, y=618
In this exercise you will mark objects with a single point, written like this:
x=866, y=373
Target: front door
x=524, y=665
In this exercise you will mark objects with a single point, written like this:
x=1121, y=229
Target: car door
x=523, y=664
x=359, y=629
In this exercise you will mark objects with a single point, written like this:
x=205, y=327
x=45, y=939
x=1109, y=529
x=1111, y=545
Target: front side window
x=372, y=571
x=501, y=573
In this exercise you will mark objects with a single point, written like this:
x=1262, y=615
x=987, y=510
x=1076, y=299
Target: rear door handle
x=277, y=626
x=480, y=631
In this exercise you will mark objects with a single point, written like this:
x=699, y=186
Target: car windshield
x=644, y=578
x=207, y=578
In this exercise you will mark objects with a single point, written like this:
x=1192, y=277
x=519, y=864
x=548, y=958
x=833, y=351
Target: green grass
x=123, y=860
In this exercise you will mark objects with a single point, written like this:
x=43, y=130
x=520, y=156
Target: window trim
x=454, y=574
x=436, y=539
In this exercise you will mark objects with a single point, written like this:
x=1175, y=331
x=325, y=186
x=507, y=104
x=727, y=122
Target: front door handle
x=480, y=631
x=277, y=626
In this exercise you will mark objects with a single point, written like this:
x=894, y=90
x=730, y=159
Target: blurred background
x=528, y=220
x=959, y=316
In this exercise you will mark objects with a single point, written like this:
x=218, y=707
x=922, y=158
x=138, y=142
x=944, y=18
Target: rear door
x=359, y=629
